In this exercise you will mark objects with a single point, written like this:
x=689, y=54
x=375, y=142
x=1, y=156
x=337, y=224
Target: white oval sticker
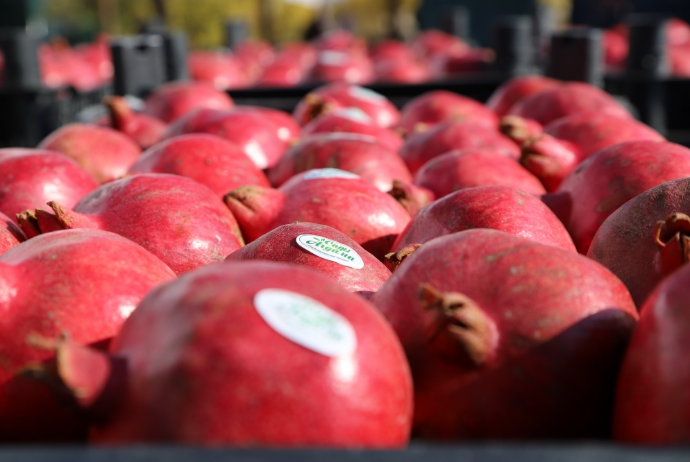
x=365, y=94
x=306, y=322
x=330, y=250
x=323, y=173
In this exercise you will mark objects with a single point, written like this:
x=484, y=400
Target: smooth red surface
x=287, y=128
x=562, y=323
x=207, y=159
x=219, y=69
x=494, y=207
x=31, y=177
x=10, y=234
x=82, y=283
x=172, y=100
x=351, y=120
x=343, y=66
x=469, y=168
x=280, y=245
x=354, y=153
x=105, y=153
x=187, y=338
x=516, y=90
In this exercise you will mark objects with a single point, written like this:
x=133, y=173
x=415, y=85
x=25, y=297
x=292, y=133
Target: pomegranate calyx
x=396, y=258
x=672, y=238
x=28, y=222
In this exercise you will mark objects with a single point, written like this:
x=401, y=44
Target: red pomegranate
x=83, y=284
x=519, y=129
x=312, y=365
x=494, y=207
x=338, y=95
x=175, y=218
x=440, y=106
x=615, y=49
x=516, y=90
x=300, y=52
x=646, y=238
x=609, y=179
x=143, y=129
x=532, y=357
x=351, y=152
x=31, y=177
x=569, y=141
x=469, y=168
x=320, y=248
x=287, y=128
x=434, y=42
x=282, y=73
x=351, y=67
x=105, y=153
x=652, y=399
x=207, y=159
x=10, y=234
x=353, y=120
x=677, y=32
x=452, y=135
x=328, y=196
x=402, y=71
x=172, y=100
x=222, y=70
x=341, y=40
x=565, y=100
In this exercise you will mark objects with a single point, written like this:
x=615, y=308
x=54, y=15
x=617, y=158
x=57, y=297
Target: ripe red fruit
x=352, y=67
x=312, y=365
x=652, y=402
x=330, y=197
x=432, y=42
x=175, y=99
x=10, y=234
x=609, y=179
x=31, y=177
x=282, y=73
x=451, y=135
x=533, y=357
x=516, y=90
x=320, y=248
x=84, y=283
x=207, y=159
x=175, y=218
x=469, y=168
x=222, y=70
x=103, y=152
x=338, y=95
x=142, y=128
x=287, y=128
x=440, y=106
x=615, y=49
x=494, y=207
x=645, y=239
x=351, y=152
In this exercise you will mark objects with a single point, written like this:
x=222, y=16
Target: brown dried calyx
x=461, y=322
x=672, y=238
x=396, y=258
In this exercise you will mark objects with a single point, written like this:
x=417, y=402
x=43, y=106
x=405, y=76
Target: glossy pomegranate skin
x=652, y=399
x=221, y=70
x=470, y=168
x=10, y=234
x=31, y=177
x=175, y=99
x=625, y=243
x=287, y=128
x=438, y=106
x=210, y=160
x=204, y=328
x=612, y=177
x=84, y=283
x=517, y=89
x=280, y=245
x=493, y=207
x=451, y=135
x=351, y=152
x=559, y=327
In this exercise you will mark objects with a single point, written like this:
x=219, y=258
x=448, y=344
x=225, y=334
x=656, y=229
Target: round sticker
x=306, y=322
x=322, y=173
x=331, y=250
x=365, y=94
x=354, y=114
x=332, y=58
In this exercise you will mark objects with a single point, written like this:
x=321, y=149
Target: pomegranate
x=143, y=129
x=677, y=33
x=494, y=207
x=534, y=357
x=440, y=106
x=451, y=135
x=646, y=238
x=172, y=100
x=175, y=218
x=287, y=128
x=104, y=153
x=609, y=179
x=432, y=42
x=222, y=70
x=83, y=283
x=328, y=196
x=516, y=90
x=469, y=168
x=346, y=151
x=615, y=49
x=338, y=95
x=343, y=66
x=207, y=159
x=569, y=141
x=311, y=364
x=472, y=60
x=353, y=120
x=31, y=177
x=341, y=40
x=320, y=248
x=401, y=71
x=282, y=73
x=519, y=129
x=10, y=234
x=412, y=197
x=652, y=396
